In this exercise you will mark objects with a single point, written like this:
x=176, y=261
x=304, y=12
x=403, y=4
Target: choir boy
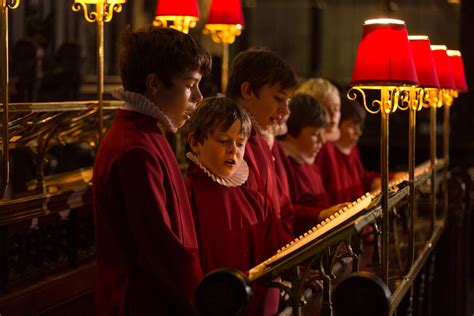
x=301, y=144
x=147, y=249
x=343, y=173
x=262, y=83
x=235, y=229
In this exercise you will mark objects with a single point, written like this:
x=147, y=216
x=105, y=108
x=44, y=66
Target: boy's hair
x=317, y=88
x=259, y=67
x=218, y=113
x=162, y=51
x=305, y=111
x=352, y=110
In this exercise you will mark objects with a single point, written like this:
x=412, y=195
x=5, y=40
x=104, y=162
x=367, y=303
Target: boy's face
x=222, y=151
x=270, y=105
x=179, y=101
x=332, y=103
x=309, y=141
x=350, y=133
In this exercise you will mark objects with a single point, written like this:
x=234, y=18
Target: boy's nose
x=231, y=148
x=285, y=108
x=196, y=95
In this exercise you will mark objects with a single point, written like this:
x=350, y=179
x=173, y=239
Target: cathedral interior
x=58, y=72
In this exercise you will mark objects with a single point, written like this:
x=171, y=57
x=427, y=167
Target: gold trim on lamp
x=181, y=23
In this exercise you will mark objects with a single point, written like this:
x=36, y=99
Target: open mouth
x=230, y=162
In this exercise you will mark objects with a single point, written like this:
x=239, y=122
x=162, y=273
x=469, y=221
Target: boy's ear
x=246, y=90
x=152, y=84
x=193, y=143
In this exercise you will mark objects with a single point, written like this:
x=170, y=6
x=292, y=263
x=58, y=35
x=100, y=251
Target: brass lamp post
x=6, y=6
x=104, y=10
x=224, y=24
x=446, y=93
x=426, y=96
x=384, y=66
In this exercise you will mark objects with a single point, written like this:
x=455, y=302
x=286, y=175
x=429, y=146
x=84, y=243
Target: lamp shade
x=443, y=67
x=457, y=67
x=177, y=8
x=226, y=12
x=384, y=56
x=424, y=63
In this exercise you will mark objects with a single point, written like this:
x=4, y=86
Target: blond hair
x=318, y=88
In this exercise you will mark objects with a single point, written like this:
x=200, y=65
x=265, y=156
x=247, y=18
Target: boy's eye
x=240, y=145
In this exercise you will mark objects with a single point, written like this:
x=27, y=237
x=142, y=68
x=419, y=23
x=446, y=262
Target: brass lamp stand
x=103, y=13
x=6, y=6
x=224, y=34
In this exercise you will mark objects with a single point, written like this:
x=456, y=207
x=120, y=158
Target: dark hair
x=162, y=51
x=305, y=111
x=352, y=110
x=218, y=113
x=259, y=67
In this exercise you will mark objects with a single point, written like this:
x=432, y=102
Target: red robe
x=147, y=251
x=263, y=178
x=282, y=164
x=308, y=195
x=344, y=176
x=234, y=229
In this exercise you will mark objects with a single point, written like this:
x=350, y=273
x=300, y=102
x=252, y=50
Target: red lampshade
x=457, y=67
x=443, y=67
x=384, y=55
x=226, y=12
x=177, y=8
x=424, y=63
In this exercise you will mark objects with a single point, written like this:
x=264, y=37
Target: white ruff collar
x=291, y=151
x=236, y=179
x=139, y=103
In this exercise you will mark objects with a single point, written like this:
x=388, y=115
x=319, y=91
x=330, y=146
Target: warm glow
x=104, y=9
x=439, y=47
x=417, y=37
x=384, y=21
x=384, y=55
x=457, y=68
x=225, y=12
x=180, y=15
x=451, y=52
x=102, y=1
x=443, y=67
x=424, y=63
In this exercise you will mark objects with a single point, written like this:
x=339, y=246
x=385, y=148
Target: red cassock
x=264, y=179
x=282, y=164
x=307, y=194
x=147, y=250
x=344, y=176
x=234, y=229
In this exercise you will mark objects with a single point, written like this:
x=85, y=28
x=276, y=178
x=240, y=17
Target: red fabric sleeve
x=151, y=210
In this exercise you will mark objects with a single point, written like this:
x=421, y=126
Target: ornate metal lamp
x=384, y=66
x=224, y=24
x=457, y=67
x=6, y=5
x=104, y=10
x=426, y=96
x=177, y=14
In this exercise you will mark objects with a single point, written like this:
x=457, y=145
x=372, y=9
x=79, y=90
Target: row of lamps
x=224, y=23
x=407, y=73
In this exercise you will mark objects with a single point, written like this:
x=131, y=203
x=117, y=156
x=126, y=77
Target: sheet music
x=329, y=223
